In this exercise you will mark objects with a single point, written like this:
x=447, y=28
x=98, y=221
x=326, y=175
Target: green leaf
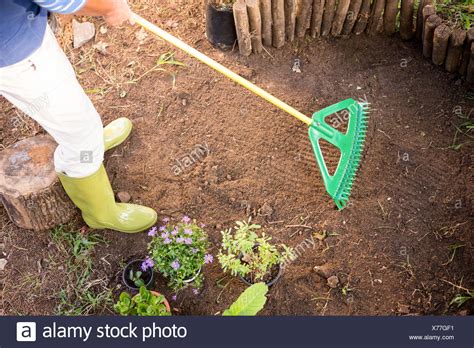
x=250, y=302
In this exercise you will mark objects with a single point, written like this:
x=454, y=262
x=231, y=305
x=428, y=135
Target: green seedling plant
x=145, y=303
x=249, y=255
x=461, y=299
x=136, y=278
x=179, y=252
x=250, y=302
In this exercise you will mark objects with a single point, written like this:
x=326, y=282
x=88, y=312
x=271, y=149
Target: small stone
x=171, y=24
x=265, y=210
x=101, y=47
x=184, y=102
x=333, y=282
x=124, y=197
x=141, y=35
x=325, y=270
x=82, y=33
x=103, y=29
x=3, y=263
x=229, y=177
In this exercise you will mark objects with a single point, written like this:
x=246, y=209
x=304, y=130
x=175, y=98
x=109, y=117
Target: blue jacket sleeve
x=61, y=6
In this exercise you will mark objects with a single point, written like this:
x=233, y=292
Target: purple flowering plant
x=179, y=251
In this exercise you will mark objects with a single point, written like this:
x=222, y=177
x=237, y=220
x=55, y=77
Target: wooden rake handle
x=220, y=68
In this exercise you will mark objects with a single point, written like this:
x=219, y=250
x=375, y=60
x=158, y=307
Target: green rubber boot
x=116, y=132
x=93, y=195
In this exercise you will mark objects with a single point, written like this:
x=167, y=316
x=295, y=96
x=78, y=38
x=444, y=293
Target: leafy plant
x=136, y=278
x=250, y=302
x=459, y=13
x=460, y=299
x=145, y=303
x=179, y=251
x=81, y=292
x=244, y=253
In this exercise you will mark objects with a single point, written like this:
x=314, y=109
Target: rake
x=350, y=144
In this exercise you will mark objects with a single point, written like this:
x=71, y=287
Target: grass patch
x=81, y=294
x=458, y=13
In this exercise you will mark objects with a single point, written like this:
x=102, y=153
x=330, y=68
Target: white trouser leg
x=44, y=86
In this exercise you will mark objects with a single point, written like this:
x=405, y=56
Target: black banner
x=327, y=332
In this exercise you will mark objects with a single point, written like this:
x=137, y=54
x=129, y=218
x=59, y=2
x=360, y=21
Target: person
x=38, y=79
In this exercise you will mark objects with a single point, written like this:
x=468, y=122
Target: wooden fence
x=275, y=22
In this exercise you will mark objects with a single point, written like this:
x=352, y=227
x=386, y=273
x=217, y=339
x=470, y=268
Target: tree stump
x=328, y=16
x=341, y=13
x=290, y=19
x=255, y=21
x=317, y=17
x=467, y=51
x=266, y=14
x=352, y=15
x=363, y=17
x=29, y=188
x=278, y=16
x=440, y=43
x=302, y=19
x=406, y=20
x=454, y=55
x=242, y=26
x=431, y=24
x=390, y=16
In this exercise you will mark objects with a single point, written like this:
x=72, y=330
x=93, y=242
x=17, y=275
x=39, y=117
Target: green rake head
x=350, y=145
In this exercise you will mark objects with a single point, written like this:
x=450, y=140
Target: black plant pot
x=135, y=265
x=270, y=282
x=220, y=26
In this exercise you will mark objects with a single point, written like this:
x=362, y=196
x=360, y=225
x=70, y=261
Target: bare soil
x=398, y=248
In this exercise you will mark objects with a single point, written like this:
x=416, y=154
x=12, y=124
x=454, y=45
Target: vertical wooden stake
x=376, y=17
x=420, y=18
x=455, y=46
x=428, y=10
x=363, y=17
x=470, y=67
x=290, y=19
x=428, y=34
x=255, y=22
x=390, y=16
x=341, y=13
x=467, y=51
x=440, y=43
x=278, y=15
x=406, y=20
x=243, y=27
x=317, y=17
x=266, y=14
x=302, y=18
x=352, y=15
x=328, y=16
